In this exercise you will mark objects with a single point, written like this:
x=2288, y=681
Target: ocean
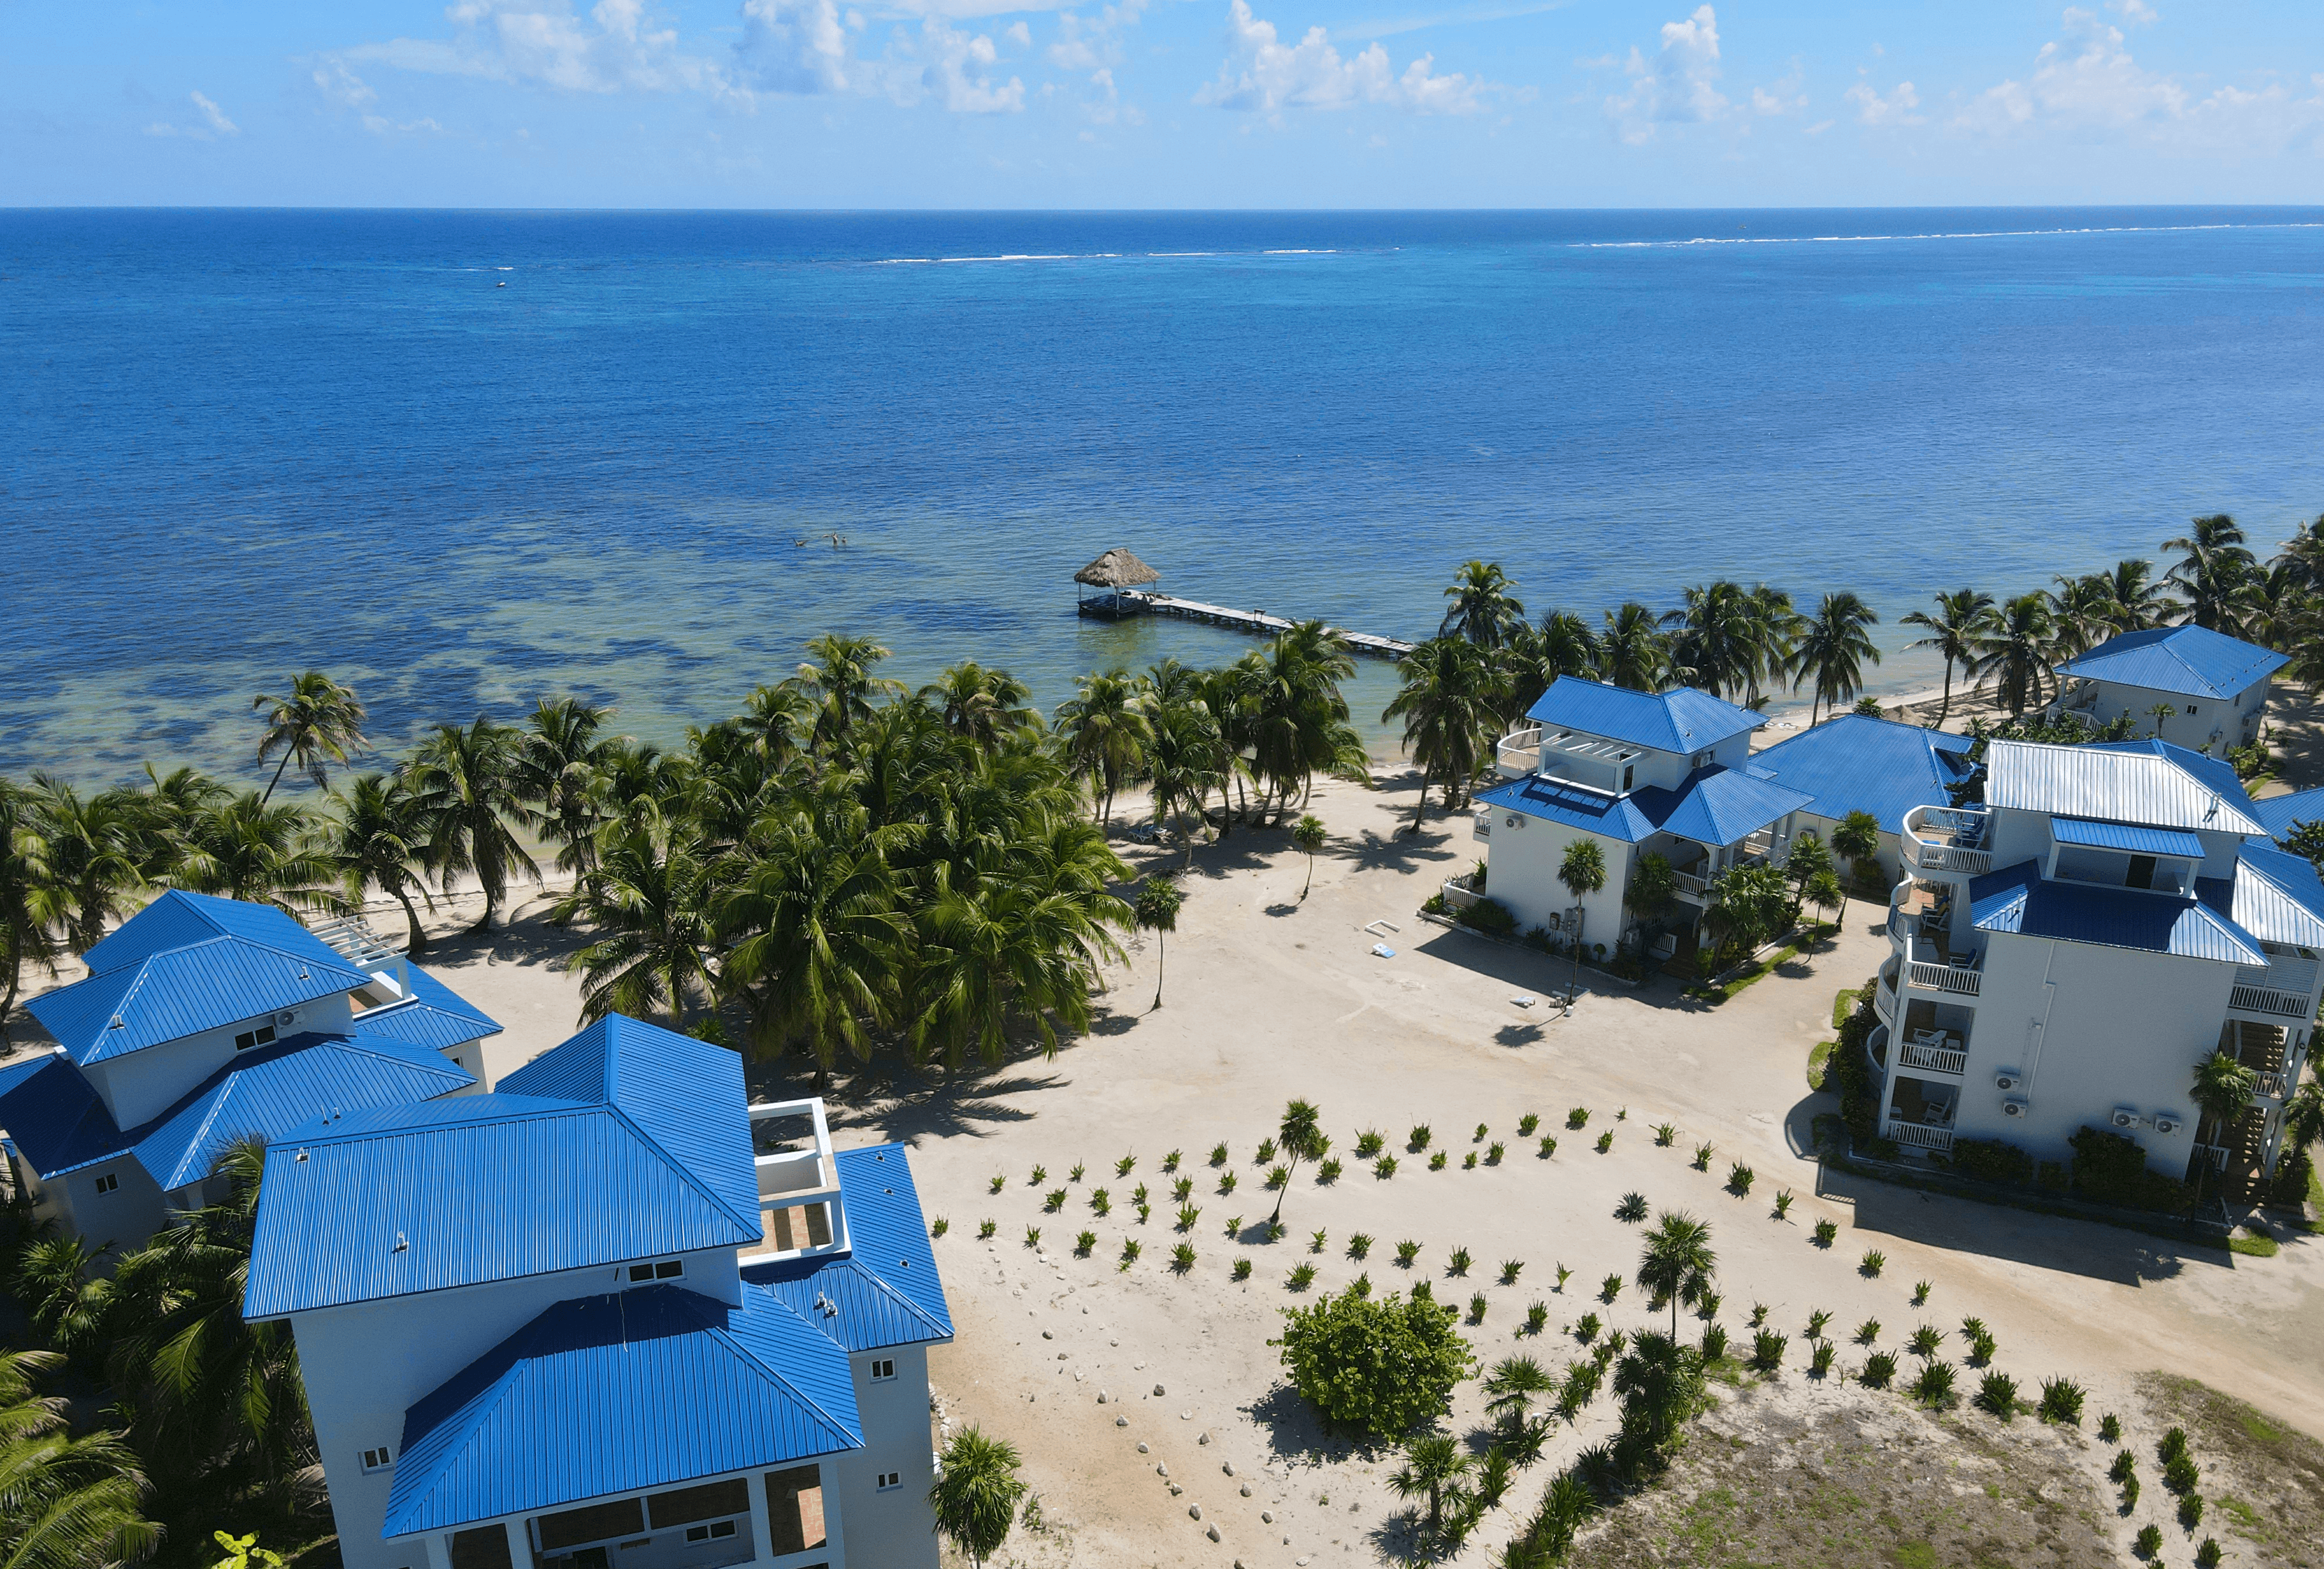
x=464, y=460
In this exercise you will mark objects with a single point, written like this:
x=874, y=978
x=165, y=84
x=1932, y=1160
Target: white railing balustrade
x=1915, y=1136
x=2275, y=1086
x=2216, y=1154
x=1960, y=981
x=1946, y=839
x=1484, y=825
x=1935, y=1060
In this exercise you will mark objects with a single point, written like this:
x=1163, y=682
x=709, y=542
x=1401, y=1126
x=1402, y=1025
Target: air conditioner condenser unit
x=2124, y=1117
x=2015, y=1106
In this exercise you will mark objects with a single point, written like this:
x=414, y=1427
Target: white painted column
x=439, y=1552
x=762, y=1533
x=520, y=1540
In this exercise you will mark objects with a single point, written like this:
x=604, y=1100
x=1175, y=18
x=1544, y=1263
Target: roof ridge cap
x=549, y=1106
x=774, y=1375
x=476, y=1407
x=884, y=1284
x=685, y=1173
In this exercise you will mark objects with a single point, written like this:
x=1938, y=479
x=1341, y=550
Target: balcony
x=1481, y=825
x=1920, y=1115
x=1936, y=1051
x=1915, y=1136
x=1876, y=1050
x=1924, y=960
x=801, y=1210
x=1883, y=995
x=1518, y=753
x=2282, y=988
x=1947, y=839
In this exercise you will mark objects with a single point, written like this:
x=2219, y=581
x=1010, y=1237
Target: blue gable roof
x=2016, y=899
x=433, y=1016
x=885, y=1290
x=620, y=1394
x=1858, y=763
x=2192, y=661
x=624, y=1143
x=2278, y=897
x=1713, y=806
x=2092, y=834
x=180, y=919
x=1680, y=720
x=2279, y=815
x=1556, y=802
x=179, y=992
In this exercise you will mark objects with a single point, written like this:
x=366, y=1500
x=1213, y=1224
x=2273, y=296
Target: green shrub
x=1707, y=1304
x=1510, y=1269
x=984, y=1231
x=1234, y=1226
x=2110, y=1428
x=1536, y=1317
x=1632, y=1208
x=1145, y=1212
x=1825, y=1231
x=1406, y=1252
x=1494, y=1154
x=1125, y=1166
x=1476, y=1307
x=1274, y=1230
x=1131, y=1247
x=1242, y=1269
x=1738, y=1179
x=1082, y=1242
x=1609, y=1288
x=1935, y=1387
x=1664, y=1135
x=1360, y=1246
x=1758, y=1314
x=2109, y=1168
x=1703, y=1157
x=1032, y=1236
x=1054, y=1201
x=1100, y=1201
x=1327, y=1172
x=1783, y=1204
x=1849, y=1077
x=1478, y=1137
x=1925, y=1340
x=1436, y=1161
x=1138, y=1195
x=1469, y=1161
x=1992, y=1160
x=2207, y=1556
x=1920, y=1291
x=2173, y=1444
x=1319, y=1241
x=1714, y=1342
x=1997, y=1393
x=1867, y=1332
x=1384, y=1168
x=1605, y=1140
x=1586, y=1327
x=2180, y=1472
x=1187, y=1216
x=1816, y=1321
x=1768, y=1350
x=1278, y=1176
x=1182, y=1190
x=939, y=1227
x=2129, y=1493
x=1874, y=1261
x=2150, y=1540
x=1227, y=1180
x=1370, y=1143
x=1527, y=1123
x=2124, y=1466
x=1076, y=1174
x=1819, y=1362
x=1578, y=1118
x=1548, y=1146
x=1265, y=1152
x=1879, y=1367
x=1379, y=1367
x=1182, y=1257
x=1170, y=1161
x=1040, y=1176
x=1418, y=1140
x=1302, y=1276
x=2288, y=1190
x=1489, y=915
x=1459, y=1263
x=2061, y=1401
x=1219, y=1155
x=998, y=1184
x=1362, y=1284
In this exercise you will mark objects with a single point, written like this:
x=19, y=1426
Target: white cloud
x=1265, y=74
x=1084, y=44
x=1018, y=34
x=796, y=46
x=1896, y=109
x=614, y=48
x=2085, y=81
x=342, y=86
x=214, y=123
x=2134, y=13
x=1678, y=85
x=959, y=68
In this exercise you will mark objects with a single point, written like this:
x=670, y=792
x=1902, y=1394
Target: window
x=108, y=1182
x=2141, y=873
x=889, y=1481
x=262, y=1035
x=378, y=1459
x=660, y=1269
x=2190, y=710
x=882, y=1369
x=713, y=1532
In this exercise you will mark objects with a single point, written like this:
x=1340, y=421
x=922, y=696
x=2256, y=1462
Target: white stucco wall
x=141, y=1085
x=895, y=1529
x=1521, y=872
x=2234, y=720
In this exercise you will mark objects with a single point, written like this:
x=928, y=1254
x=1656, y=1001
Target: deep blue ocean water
x=236, y=444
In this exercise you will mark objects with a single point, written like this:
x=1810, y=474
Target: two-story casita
x=2066, y=954
x=578, y=1324
x=2216, y=686
x=203, y=1021
x=1640, y=773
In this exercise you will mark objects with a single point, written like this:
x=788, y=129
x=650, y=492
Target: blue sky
x=1160, y=103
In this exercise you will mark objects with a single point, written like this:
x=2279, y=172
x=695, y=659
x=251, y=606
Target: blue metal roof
x=2278, y=897
x=59, y=1124
x=434, y=1016
x=2192, y=662
x=180, y=919
x=2148, y=782
x=175, y=992
x=848, y=1301
x=1680, y=720
x=605, y=1396
x=647, y=1152
x=885, y=1223
x=1720, y=805
x=2279, y=815
x=2017, y=898
x=1573, y=808
x=1857, y=763
x=2096, y=836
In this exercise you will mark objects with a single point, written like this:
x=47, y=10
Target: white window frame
x=108, y=1182
x=375, y=1461
x=711, y=1531
x=657, y=1270
x=888, y=1482
x=882, y=1369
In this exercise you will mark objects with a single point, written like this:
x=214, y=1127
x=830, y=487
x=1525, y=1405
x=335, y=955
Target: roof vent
x=402, y=1245
x=301, y=1157
x=117, y=1022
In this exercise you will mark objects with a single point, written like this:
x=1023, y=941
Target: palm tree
x=1299, y=1135
x=1185, y=761
x=1156, y=909
x=69, y=1503
x=1584, y=871
x=2216, y=575
x=1833, y=649
x=1016, y=947
x=1661, y=1386
x=979, y=705
x=1297, y=721
x=379, y=838
x=815, y=938
x=2223, y=1091
x=1308, y=835
x=1536, y=656
x=559, y=773
x=976, y=1493
x=2083, y=609
x=1957, y=632
x=1857, y=837
x=24, y=934
x=1632, y=651
x=647, y=902
x=1105, y=728
x=466, y=781
x=838, y=681
x=84, y=855
x=1678, y=1262
x=2018, y=647
x=778, y=722
x=317, y=720
x=1512, y=1385
x=1717, y=639
x=1430, y=1462
x=2136, y=602
x=63, y=1292
x=1485, y=609
x=242, y=848
x=1447, y=703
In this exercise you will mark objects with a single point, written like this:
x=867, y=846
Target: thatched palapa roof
x=1117, y=568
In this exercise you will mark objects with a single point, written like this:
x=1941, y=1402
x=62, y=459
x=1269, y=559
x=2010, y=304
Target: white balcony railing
x=1961, y=980
x=1687, y=883
x=1947, y=839
x=1884, y=1002
x=2216, y=1154
x=1916, y=1136
x=801, y=1209
x=2281, y=988
x=1932, y=1057
x=1482, y=823
x=2275, y=1086
x=1963, y=977
x=1518, y=753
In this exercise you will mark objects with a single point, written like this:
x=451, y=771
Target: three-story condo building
x=1639, y=774
x=204, y=1021
x=581, y=1322
x=2065, y=954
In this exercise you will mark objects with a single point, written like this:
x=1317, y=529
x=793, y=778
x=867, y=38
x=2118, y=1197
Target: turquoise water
x=241, y=443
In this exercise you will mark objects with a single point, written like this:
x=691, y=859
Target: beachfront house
x=608, y=1317
x=2214, y=687
x=1641, y=773
x=2064, y=954
x=204, y=1021
x=1857, y=762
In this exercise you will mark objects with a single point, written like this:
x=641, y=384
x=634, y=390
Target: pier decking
x=1123, y=603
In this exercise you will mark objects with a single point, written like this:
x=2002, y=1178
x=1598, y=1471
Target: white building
x=206, y=1020
x=2067, y=953
x=1640, y=773
x=1858, y=762
x=2215, y=685
x=580, y=1324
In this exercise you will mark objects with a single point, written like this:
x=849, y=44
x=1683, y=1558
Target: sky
x=1159, y=103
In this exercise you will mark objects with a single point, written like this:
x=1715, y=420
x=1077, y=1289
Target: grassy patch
x=1843, y=1005
x=2260, y=1247
x=1817, y=1060
x=2265, y=1480
x=1759, y=971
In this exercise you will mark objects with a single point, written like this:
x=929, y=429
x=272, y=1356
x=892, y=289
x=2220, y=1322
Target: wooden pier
x=1123, y=603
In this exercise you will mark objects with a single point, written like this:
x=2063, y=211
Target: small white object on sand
x=1526, y=1001
x=1383, y=950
